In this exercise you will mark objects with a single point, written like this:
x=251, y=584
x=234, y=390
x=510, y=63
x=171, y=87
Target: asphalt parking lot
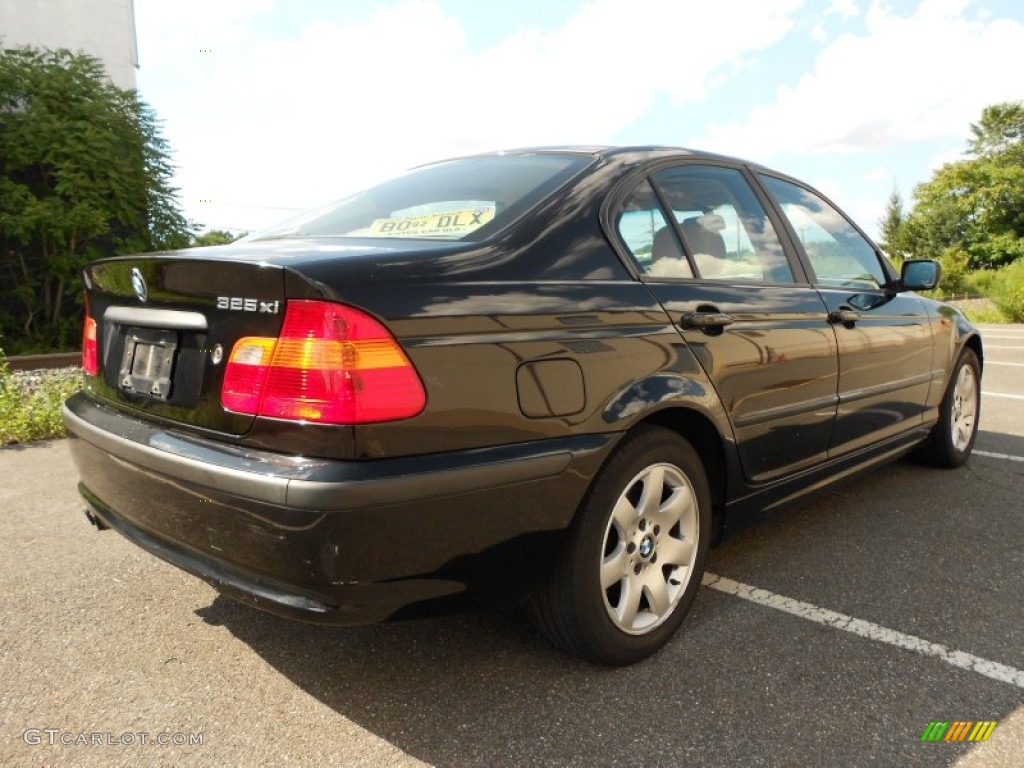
x=831, y=635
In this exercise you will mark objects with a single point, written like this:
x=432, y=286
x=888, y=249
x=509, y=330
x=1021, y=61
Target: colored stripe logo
x=958, y=730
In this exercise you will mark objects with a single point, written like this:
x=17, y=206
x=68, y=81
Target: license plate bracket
x=147, y=365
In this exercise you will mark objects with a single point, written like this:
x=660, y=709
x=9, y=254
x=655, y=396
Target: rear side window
x=840, y=255
x=467, y=199
x=645, y=231
x=725, y=229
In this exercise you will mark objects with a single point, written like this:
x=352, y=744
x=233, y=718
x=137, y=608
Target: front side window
x=468, y=199
x=839, y=255
x=723, y=225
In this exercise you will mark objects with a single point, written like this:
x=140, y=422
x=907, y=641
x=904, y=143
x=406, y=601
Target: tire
x=952, y=438
x=633, y=560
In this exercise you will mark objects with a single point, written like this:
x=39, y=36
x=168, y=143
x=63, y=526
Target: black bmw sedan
x=548, y=374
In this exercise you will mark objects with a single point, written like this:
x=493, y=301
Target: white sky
x=271, y=106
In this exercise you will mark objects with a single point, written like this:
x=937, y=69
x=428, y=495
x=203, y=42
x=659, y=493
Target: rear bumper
x=314, y=484
x=334, y=541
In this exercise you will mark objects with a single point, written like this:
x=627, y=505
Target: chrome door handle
x=698, y=321
x=843, y=315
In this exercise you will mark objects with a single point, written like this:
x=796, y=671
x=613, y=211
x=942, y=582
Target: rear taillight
x=90, y=358
x=331, y=364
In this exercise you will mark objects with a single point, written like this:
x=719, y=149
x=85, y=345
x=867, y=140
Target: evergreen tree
x=891, y=227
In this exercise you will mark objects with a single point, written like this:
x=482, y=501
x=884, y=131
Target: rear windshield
x=468, y=199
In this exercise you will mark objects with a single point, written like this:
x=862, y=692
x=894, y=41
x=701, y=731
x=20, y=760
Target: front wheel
x=633, y=561
x=952, y=437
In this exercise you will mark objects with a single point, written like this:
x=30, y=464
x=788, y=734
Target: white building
x=101, y=28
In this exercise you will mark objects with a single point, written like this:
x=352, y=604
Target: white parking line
x=991, y=455
x=953, y=657
x=995, y=362
x=1002, y=346
x=1002, y=394
x=1016, y=337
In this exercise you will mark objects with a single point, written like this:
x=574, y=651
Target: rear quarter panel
x=470, y=344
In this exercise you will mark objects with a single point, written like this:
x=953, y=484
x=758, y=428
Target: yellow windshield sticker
x=441, y=224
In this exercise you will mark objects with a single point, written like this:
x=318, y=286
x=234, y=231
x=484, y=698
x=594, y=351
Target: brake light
x=332, y=363
x=90, y=357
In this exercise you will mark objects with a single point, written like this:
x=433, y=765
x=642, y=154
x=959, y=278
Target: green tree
x=1001, y=129
x=214, y=237
x=891, y=227
x=976, y=205
x=84, y=173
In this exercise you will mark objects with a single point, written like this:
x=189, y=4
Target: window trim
x=677, y=231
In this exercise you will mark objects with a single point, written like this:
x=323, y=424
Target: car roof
x=636, y=152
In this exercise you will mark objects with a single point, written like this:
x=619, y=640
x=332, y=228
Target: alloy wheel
x=965, y=408
x=650, y=545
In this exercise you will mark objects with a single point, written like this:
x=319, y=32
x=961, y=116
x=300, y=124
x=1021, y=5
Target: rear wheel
x=952, y=438
x=632, y=564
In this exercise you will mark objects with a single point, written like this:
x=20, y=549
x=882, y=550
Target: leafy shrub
x=1007, y=291
x=955, y=263
x=981, y=282
x=30, y=403
x=84, y=173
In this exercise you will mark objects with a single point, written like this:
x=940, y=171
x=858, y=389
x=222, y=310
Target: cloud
x=169, y=32
x=906, y=79
x=844, y=9
x=876, y=174
x=302, y=119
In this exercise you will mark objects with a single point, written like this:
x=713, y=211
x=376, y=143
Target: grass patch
x=981, y=311
x=30, y=403
x=986, y=295
x=990, y=315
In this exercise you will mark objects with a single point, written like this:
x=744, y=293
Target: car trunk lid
x=166, y=325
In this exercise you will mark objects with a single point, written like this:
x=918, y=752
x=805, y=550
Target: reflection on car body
x=547, y=374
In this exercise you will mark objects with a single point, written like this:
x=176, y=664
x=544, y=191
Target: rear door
x=884, y=337
x=708, y=250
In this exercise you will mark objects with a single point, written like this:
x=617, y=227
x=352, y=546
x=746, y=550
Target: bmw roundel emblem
x=646, y=547
x=139, y=284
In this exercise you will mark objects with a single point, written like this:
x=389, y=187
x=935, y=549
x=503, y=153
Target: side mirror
x=920, y=275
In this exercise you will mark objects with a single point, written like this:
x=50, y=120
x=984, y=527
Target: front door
x=884, y=337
